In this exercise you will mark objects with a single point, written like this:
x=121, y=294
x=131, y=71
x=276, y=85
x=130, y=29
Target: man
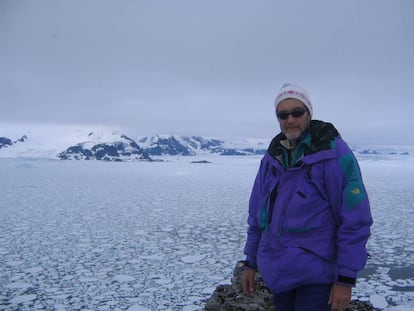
x=309, y=215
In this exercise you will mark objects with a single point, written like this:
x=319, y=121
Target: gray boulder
x=232, y=298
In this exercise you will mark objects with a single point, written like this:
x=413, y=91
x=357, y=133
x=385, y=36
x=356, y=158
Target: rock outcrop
x=232, y=298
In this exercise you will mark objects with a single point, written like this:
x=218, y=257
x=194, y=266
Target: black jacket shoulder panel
x=322, y=133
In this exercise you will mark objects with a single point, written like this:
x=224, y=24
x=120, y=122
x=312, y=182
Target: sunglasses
x=296, y=113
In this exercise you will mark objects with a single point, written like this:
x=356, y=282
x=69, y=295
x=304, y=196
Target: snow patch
x=123, y=278
x=192, y=258
x=19, y=285
x=23, y=298
x=409, y=307
x=378, y=301
x=138, y=308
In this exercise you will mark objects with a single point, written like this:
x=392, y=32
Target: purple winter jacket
x=309, y=215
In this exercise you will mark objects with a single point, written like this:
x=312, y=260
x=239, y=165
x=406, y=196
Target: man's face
x=292, y=127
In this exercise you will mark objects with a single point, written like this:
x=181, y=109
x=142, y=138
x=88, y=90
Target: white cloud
x=205, y=67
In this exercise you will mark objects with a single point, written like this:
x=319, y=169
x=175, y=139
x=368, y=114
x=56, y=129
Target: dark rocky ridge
x=6, y=142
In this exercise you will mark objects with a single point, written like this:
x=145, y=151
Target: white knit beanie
x=290, y=90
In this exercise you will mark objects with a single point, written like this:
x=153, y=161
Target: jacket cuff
x=346, y=280
x=250, y=263
x=346, y=277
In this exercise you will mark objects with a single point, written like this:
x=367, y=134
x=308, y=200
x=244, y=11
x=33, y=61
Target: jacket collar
x=319, y=137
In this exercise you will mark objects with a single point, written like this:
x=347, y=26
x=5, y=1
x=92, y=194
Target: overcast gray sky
x=209, y=68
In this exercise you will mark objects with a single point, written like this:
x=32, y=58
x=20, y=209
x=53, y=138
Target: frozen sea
x=89, y=235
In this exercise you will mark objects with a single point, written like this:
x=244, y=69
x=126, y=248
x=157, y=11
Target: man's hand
x=248, y=282
x=340, y=297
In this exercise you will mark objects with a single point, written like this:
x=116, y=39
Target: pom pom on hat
x=290, y=90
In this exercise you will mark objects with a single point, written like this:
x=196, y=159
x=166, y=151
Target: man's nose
x=290, y=118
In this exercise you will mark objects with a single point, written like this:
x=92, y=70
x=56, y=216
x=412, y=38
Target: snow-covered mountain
x=195, y=145
x=119, y=147
x=113, y=147
x=110, y=145
x=78, y=143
